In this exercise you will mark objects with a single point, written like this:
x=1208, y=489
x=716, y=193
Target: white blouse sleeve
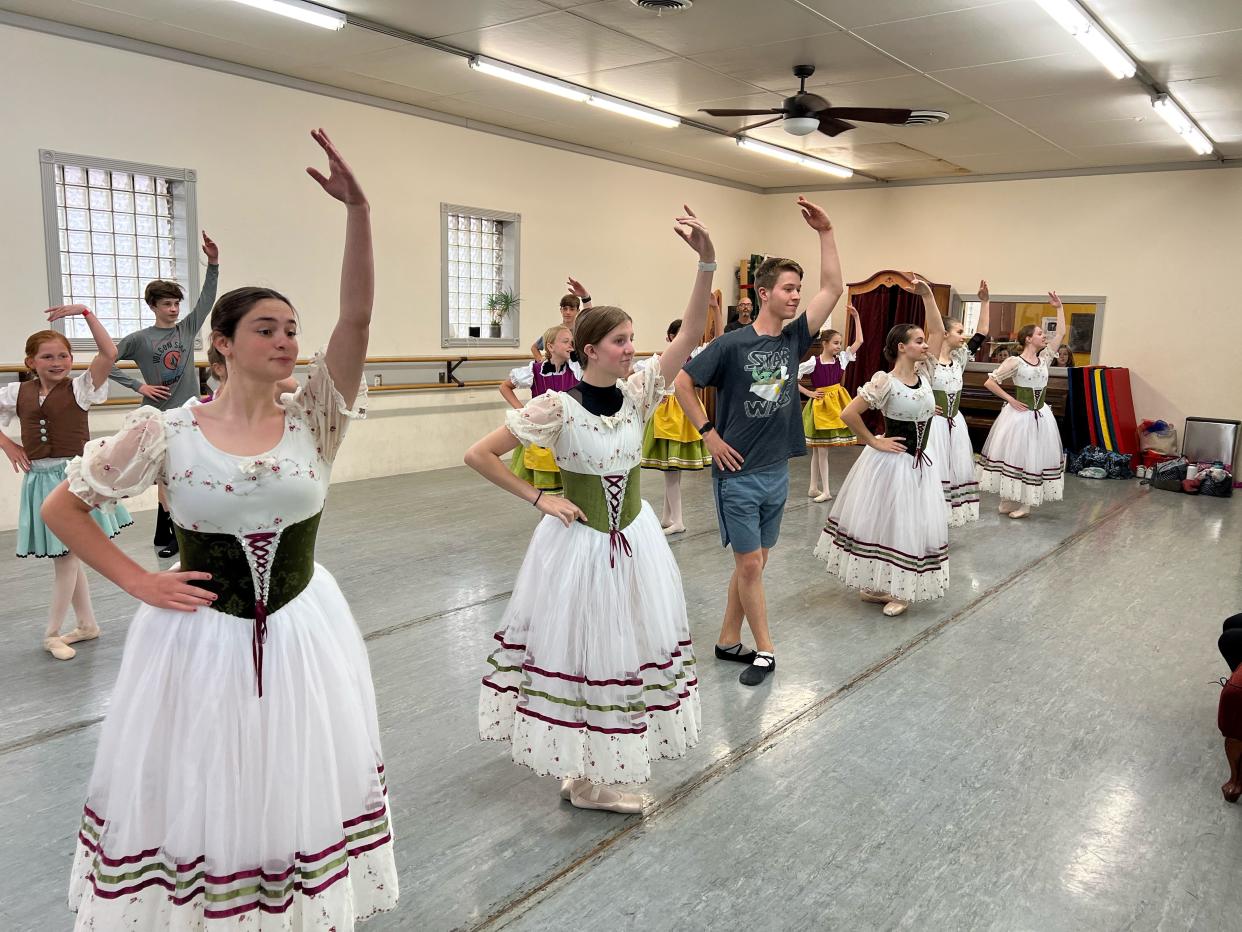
x=806, y=368
x=1048, y=356
x=875, y=392
x=86, y=394
x=961, y=356
x=539, y=422
x=123, y=465
x=845, y=357
x=522, y=377
x=319, y=405
x=646, y=388
x=8, y=402
x=1004, y=370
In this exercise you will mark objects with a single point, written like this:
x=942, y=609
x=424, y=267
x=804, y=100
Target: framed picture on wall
x=1049, y=324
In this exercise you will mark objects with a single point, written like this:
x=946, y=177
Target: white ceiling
x=1023, y=96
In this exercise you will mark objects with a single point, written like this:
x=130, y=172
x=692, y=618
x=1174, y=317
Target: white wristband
x=707, y=266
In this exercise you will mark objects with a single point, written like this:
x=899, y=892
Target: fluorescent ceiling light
x=300, y=10
x=1082, y=26
x=498, y=69
x=1182, y=124
x=638, y=112
x=795, y=158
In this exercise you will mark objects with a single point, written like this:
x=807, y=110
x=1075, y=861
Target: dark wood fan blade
x=756, y=125
x=742, y=112
x=867, y=114
x=830, y=126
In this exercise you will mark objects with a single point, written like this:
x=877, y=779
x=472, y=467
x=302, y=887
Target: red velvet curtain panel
x=873, y=311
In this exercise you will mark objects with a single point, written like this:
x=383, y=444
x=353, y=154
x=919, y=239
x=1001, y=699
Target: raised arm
x=105, y=359
x=576, y=288
x=690, y=229
x=207, y=296
x=858, y=331
x=985, y=309
x=831, y=285
x=1059, y=337
x=347, y=348
x=933, y=321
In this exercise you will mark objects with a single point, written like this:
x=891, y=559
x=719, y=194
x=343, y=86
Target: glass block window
x=480, y=255
x=117, y=227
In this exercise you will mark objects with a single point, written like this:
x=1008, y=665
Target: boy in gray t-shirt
x=755, y=373
x=164, y=353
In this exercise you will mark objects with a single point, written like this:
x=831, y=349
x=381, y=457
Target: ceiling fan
x=805, y=113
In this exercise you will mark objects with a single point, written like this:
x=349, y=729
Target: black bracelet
x=707, y=425
x=535, y=503
x=586, y=299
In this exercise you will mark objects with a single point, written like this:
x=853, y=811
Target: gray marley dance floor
x=1036, y=751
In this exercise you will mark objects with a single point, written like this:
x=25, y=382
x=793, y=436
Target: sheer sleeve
x=319, y=404
x=845, y=357
x=961, y=356
x=8, y=402
x=539, y=422
x=1048, y=356
x=875, y=392
x=1004, y=370
x=86, y=394
x=806, y=368
x=646, y=388
x=522, y=377
x=123, y=465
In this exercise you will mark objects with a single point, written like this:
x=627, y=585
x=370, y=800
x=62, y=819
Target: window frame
x=188, y=177
x=511, y=233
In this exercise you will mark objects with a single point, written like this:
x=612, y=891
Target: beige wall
x=1161, y=247
x=606, y=223
x=1131, y=238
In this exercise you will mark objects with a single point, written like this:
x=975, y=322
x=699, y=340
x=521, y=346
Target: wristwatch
x=586, y=299
x=707, y=425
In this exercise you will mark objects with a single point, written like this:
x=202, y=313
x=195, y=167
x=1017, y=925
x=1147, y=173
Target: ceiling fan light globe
x=800, y=126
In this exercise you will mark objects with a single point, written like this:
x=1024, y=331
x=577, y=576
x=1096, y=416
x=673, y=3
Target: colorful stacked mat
x=1100, y=410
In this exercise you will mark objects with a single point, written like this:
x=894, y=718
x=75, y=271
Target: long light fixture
x=540, y=82
x=1082, y=26
x=302, y=11
x=582, y=95
x=795, y=158
x=637, y=111
x=1182, y=124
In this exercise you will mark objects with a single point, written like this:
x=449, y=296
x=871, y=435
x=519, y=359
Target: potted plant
x=499, y=306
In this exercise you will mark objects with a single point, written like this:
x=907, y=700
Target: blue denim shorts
x=750, y=507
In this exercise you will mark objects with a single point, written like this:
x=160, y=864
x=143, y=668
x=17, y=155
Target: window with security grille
x=479, y=263
x=112, y=227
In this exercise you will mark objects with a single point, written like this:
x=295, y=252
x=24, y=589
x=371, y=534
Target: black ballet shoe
x=756, y=673
x=170, y=551
x=737, y=656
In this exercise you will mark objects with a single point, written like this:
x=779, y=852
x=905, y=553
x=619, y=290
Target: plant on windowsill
x=499, y=306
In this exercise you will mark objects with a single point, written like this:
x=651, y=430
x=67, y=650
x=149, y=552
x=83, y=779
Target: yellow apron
x=671, y=422
x=539, y=459
x=826, y=411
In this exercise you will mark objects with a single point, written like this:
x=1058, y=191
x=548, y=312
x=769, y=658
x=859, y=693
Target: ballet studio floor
x=1037, y=751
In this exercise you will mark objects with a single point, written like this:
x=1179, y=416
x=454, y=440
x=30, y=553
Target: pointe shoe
x=1006, y=507
x=594, y=796
x=1020, y=513
x=567, y=786
x=879, y=598
x=824, y=497
x=811, y=493
x=674, y=529
x=895, y=607
x=59, y=649
x=80, y=634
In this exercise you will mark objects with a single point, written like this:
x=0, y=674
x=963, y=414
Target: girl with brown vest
x=51, y=408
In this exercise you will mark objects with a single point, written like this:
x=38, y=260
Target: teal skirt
x=34, y=538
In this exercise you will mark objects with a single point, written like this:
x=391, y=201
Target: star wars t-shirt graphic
x=769, y=373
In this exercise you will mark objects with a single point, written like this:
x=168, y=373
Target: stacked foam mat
x=1100, y=410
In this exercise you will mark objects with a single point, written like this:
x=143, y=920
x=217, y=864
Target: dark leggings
x=1230, y=642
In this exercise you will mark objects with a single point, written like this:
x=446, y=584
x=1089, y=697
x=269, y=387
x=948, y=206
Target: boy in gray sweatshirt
x=164, y=353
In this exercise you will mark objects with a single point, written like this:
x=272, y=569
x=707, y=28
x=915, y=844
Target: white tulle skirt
x=594, y=674
x=887, y=530
x=212, y=808
x=954, y=457
x=1022, y=459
